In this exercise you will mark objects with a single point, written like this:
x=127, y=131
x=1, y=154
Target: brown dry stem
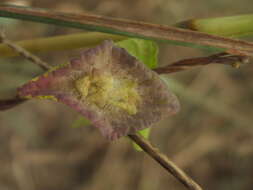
x=10, y=103
x=186, y=64
x=29, y=56
x=165, y=162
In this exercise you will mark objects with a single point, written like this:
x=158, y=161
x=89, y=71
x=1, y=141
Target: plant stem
x=185, y=64
x=165, y=162
x=36, y=60
x=127, y=28
x=232, y=26
x=10, y=103
x=63, y=42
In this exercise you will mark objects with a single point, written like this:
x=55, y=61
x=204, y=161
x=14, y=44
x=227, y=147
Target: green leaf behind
x=144, y=50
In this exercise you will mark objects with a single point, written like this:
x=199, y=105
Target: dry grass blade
x=221, y=58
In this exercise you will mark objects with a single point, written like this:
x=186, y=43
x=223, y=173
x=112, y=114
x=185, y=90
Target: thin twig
x=186, y=64
x=36, y=60
x=127, y=28
x=165, y=162
x=10, y=103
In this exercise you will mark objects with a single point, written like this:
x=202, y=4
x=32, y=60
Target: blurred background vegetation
x=210, y=138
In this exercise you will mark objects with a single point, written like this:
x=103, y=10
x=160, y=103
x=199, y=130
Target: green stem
x=233, y=26
x=64, y=42
x=127, y=28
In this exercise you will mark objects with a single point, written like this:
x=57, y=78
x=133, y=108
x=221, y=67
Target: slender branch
x=10, y=103
x=220, y=58
x=127, y=28
x=36, y=60
x=165, y=162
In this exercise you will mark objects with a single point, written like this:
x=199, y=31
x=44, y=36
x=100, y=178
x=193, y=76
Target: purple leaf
x=111, y=88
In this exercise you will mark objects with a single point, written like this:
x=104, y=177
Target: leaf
x=144, y=50
x=80, y=121
x=111, y=88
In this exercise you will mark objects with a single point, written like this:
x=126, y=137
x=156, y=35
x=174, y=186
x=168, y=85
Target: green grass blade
x=232, y=26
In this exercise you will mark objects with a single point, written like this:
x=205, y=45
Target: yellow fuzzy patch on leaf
x=107, y=91
x=47, y=97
